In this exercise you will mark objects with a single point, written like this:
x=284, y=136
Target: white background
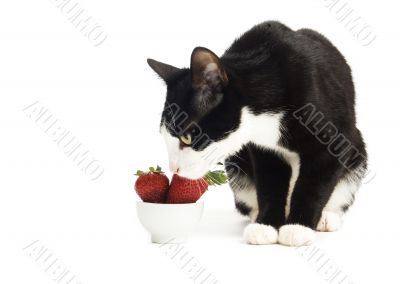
x=111, y=101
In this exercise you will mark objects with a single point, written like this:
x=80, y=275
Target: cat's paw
x=296, y=235
x=259, y=234
x=329, y=222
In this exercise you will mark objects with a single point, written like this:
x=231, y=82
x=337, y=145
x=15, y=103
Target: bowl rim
x=197, y=203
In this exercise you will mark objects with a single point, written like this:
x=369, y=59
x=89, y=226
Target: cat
x=277, y=108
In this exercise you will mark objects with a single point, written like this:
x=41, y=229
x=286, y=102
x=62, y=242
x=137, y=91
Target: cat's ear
x=207, y=70
x=165, y=71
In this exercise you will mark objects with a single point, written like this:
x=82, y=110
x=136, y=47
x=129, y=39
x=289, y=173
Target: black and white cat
x=278, y=109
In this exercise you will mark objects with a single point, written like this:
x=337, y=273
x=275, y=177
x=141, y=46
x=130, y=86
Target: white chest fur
x=263, y=129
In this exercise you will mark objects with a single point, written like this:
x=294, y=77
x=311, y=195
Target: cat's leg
x=240, y=171
x=329, y=221
x=246, y=200
x=340, y=200
x=314, y=186
x=271, y=179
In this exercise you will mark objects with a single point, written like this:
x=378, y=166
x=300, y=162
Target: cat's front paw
x=259, y=234
x=296, y=235
x=329, y=222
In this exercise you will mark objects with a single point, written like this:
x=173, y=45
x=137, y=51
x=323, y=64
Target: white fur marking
x=296, y=235
x=259, y=234
x=248, y=196
x=329, y=222
x=342, y=195
x=294, y=161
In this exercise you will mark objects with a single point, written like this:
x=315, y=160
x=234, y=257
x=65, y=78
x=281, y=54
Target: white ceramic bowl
x=169, y=223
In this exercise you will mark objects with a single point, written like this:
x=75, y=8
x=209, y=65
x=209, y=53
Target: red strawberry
x=183, y=190
x=152, y=186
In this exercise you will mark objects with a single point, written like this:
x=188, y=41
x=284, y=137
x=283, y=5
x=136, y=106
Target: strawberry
x=183, y=190
x=152, y=186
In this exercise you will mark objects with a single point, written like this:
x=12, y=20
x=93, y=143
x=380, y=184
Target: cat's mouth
x=189, y=175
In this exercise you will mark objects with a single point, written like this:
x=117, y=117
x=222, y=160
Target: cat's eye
x=186, y=139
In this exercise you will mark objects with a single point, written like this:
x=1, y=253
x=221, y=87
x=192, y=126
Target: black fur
x=272, y=68
x=268, y=172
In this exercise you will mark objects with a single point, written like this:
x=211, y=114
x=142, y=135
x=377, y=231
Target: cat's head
x=199, y=113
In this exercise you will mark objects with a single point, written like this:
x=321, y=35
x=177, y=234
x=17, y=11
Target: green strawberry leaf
x=153, y=170
x=216, y=177
x=139, y=173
